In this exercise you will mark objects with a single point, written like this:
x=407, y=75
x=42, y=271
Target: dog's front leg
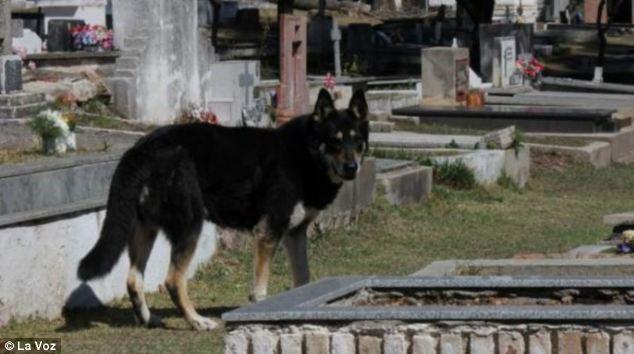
x=297, y=249
x=265, y=247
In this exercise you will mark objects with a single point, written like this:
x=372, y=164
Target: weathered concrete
x=448, y=338
x=489, y=166
x=621, y=143
x=401, y=139
x=171, y=58
x=445, y=75
x=312, y=302
x=39, y=265
x=384, y=101
x=411, y=184
x=598, y=154
x=530, y=267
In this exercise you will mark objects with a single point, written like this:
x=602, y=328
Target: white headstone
x=504, y=69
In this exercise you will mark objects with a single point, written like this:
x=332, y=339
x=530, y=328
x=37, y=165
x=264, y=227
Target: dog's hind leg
x=296, y=248
x=176, y=284
x=140, y=247
x=265, y=246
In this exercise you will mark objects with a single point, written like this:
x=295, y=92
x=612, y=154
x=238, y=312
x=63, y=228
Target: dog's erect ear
x=324, y=106
x=358, y=106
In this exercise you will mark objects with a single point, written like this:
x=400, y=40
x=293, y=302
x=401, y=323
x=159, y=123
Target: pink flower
x=329, y=82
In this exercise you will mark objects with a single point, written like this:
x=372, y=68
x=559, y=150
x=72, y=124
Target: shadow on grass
x=75, y=320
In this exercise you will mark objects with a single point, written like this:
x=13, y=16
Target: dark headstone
x=523, y=34
x=60, y=38
x=319, y=34
x=12, y=74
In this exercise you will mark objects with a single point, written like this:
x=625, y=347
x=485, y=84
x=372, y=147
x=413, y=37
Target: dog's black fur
x=177, y=176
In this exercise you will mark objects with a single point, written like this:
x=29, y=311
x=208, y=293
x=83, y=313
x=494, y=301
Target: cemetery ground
x=562, y=207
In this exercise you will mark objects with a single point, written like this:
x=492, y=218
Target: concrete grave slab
x=526, y=118
x=311, y=302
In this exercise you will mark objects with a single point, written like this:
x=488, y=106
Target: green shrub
x=453, y=174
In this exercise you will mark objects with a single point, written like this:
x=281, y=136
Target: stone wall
x=439, y=338
x=39, y=264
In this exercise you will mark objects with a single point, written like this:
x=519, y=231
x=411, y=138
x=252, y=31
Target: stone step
x=127, y=63
x=22, y=111
x=22, y=98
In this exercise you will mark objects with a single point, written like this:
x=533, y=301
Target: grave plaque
x=445, y=75
x=11, y=73
x=504, y=70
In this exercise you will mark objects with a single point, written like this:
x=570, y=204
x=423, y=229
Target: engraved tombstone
x=504, y=70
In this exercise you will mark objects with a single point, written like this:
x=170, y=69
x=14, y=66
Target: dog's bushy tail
x=121, y=218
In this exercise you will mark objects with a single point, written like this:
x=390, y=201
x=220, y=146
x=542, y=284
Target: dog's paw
x=155, y=322
x=203, y=323
x=257, y=297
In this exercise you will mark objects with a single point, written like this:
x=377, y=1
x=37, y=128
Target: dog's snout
x=350, y=167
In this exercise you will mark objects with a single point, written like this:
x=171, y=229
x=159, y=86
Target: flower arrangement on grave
x=197, y=114
x=627, y=243
x=57, y=131
x=530, y=67
x=92, y=38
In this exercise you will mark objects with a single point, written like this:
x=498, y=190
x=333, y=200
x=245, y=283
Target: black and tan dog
x=271, y=181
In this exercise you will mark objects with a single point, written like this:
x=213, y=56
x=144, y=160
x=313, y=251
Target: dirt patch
x=483, y=297
x=551, y=160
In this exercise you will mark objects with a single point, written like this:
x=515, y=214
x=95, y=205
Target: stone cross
x=335, y=36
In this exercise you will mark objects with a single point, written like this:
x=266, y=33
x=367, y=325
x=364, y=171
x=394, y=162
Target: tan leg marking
x=176, y=284
x=264, y=251
x=139, y=252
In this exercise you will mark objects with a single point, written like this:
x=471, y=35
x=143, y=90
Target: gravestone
x=59, y=37
x=292, y=94
x=505, y=73
x=445, y=75
x=523, y=34
x=11, y=73
x=230, y=92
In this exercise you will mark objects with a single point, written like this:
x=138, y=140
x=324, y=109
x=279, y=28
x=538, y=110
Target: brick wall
x=590, y=11
x=442, y=338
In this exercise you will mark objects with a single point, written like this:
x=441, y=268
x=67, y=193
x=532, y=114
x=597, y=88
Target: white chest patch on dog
x=301, y=214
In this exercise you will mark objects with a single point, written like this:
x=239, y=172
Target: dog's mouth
x=338, y=173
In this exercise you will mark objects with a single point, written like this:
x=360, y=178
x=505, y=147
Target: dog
x=271, y=181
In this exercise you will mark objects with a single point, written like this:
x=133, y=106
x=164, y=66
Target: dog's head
x=341, y=135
